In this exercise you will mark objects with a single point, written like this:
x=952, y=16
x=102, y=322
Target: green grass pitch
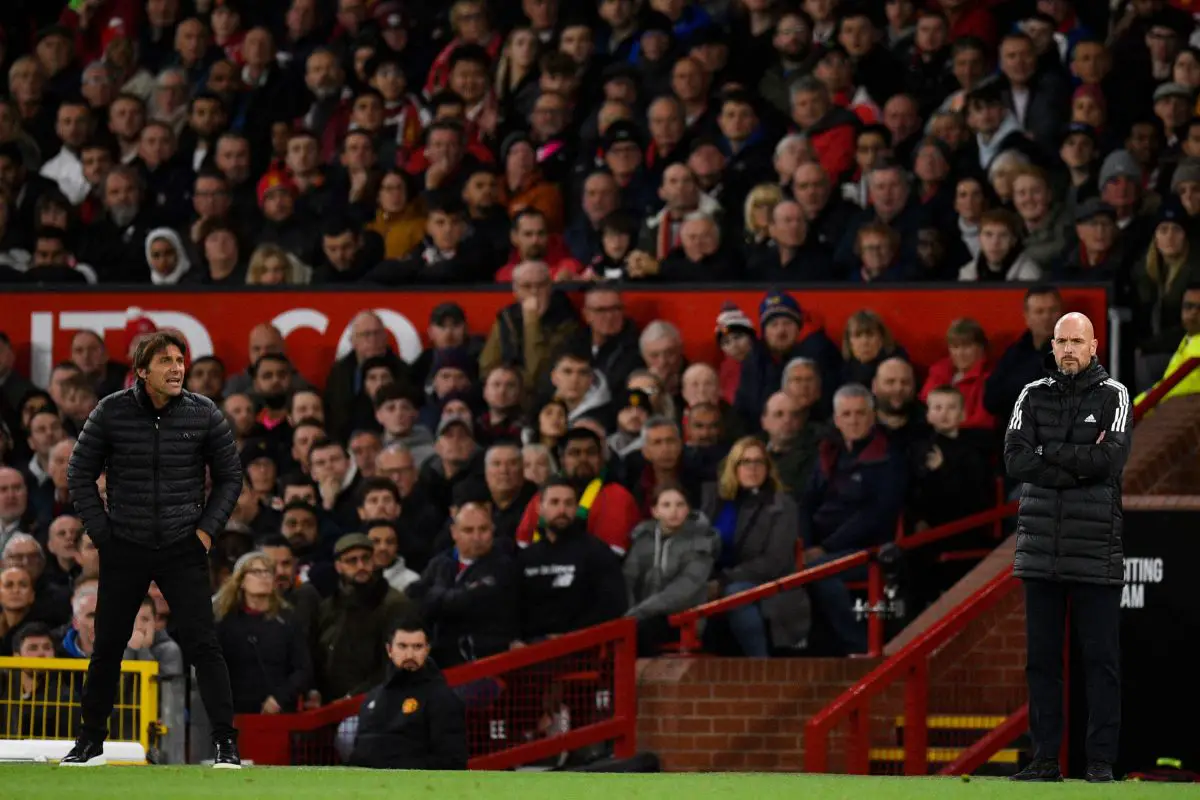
x=38, y=781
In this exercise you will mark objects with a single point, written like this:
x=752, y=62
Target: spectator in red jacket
x=609, y=508
x=830, y=130
x=91, y=18
x=735, y=337
x=966, y=369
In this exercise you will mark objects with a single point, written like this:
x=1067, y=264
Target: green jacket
x=351, y=626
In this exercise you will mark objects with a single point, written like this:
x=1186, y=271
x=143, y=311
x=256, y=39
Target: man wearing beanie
x=786, y=334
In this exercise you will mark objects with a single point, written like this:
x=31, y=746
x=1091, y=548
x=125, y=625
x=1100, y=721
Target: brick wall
x=1165, y=458
x=749, y=714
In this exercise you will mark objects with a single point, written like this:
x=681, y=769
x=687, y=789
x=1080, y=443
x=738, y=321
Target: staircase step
x=940, y=755
x=958, y=722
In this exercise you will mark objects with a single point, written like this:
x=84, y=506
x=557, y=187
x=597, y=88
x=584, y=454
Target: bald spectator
x=601, y=197
x=90, y=354
x=264, y=339
x=62, y=549
x=369, y=340
x=898, y=411
x=792, y=439
x=681, y=196
x=528, y=332
x=470, y=595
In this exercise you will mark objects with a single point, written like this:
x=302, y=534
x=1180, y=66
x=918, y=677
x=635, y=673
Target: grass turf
x=37, y=781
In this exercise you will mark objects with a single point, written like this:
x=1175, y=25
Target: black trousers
x=181, y=572
x=1095, y=618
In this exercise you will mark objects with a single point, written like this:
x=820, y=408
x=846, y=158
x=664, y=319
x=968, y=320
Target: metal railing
x=40, y=699
x=539, y=702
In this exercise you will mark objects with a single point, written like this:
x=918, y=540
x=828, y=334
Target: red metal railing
x=1155, y=395
x=911, y=665
x=517, y=703
x=689, y=621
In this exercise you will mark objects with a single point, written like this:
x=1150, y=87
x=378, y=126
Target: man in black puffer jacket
x=1067, y=442
x=154, y=442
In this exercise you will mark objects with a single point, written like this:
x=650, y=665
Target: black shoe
x=1099, y=772
x=227, y=755
x=1041, y=770
x=85, y=753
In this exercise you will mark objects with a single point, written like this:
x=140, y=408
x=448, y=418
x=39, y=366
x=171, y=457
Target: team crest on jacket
x=410, y=706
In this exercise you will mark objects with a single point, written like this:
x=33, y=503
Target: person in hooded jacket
x=1067, y=442
x=413, y=720
x=166, y=257
x=569, y=579
x=667, y=567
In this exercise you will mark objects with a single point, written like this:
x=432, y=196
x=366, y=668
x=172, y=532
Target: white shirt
x=35, y=469
x=66, y=170
x=1020, y=101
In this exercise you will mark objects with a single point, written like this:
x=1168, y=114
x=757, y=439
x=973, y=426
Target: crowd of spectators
x=572, y=467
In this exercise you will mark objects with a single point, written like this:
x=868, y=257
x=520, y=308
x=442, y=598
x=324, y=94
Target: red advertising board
x=315, y=323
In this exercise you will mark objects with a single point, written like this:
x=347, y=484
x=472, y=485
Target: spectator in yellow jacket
x=1189, y=348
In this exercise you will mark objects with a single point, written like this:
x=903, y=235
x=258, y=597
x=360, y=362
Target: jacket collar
x=1093, y=374
x=143, y=398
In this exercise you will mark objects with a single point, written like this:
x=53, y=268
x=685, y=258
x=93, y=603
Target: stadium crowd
x=572, y=467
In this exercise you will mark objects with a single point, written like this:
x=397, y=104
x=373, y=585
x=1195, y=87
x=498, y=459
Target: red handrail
x=1163, y=387
x=267, y=738
x=975, y=756
x=910, y=663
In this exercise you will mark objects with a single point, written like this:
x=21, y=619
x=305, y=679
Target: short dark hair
x=156, y=343
x=474, y=53
x=30, y=630
x=323, y=442
x=1041, y=289
x=560, y=481
x=280, y=357
x=296, y=479
x=338, y=224
x=394, y=391
x=273, y=540
x=371, y=524
x=292, y=398
x=409, y=622
x=376, y=484
x=669, y=486
x=526, y=213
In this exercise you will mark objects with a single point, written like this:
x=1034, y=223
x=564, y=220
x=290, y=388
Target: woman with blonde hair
x=270, y=667
x=757, y=522
x=271, y=265
x=757, y=212
x=517, y=66
x=866, y=343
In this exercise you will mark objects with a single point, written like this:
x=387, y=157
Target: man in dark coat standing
x=154, y=442
x=413, y=720
x=1067, y=442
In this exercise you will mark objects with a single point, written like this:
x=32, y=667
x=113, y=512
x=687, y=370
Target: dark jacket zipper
x=156, y=525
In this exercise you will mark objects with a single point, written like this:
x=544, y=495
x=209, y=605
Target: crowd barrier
x=40, y=703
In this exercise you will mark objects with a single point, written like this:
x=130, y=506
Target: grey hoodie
x=669, y=574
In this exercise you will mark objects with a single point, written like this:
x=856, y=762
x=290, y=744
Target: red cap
x=275, y=179
x=137, y=325
x=114, y=30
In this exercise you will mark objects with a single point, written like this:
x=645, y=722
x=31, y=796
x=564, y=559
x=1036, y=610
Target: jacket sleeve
x=677, y=595
x=778, y=557
x=874, y=522
x=491, y=355
x=1021, y=459
x=495, y=589
x=88, y=459
x=300, y=674
x=609, y=598
x=447, y=732
x=220, y=452
x=1104, y=459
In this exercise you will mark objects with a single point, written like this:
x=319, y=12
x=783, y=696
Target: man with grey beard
x=114, y=242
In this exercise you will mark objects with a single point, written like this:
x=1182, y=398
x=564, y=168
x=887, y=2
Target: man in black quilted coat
x=1067, y=441
x=154, y=442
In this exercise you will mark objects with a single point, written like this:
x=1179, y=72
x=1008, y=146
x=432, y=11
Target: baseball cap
x=352, y=541
x=389, y=15
x=1188, y=171
x=448, y=420
x=1172, y=89
x=253, y=450
x=621, y=131
x=444, y=313
x=1091, y=208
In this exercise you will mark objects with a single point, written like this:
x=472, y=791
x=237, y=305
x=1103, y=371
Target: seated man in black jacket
x=469, y=594
x=413, y=720
x=569, y=578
